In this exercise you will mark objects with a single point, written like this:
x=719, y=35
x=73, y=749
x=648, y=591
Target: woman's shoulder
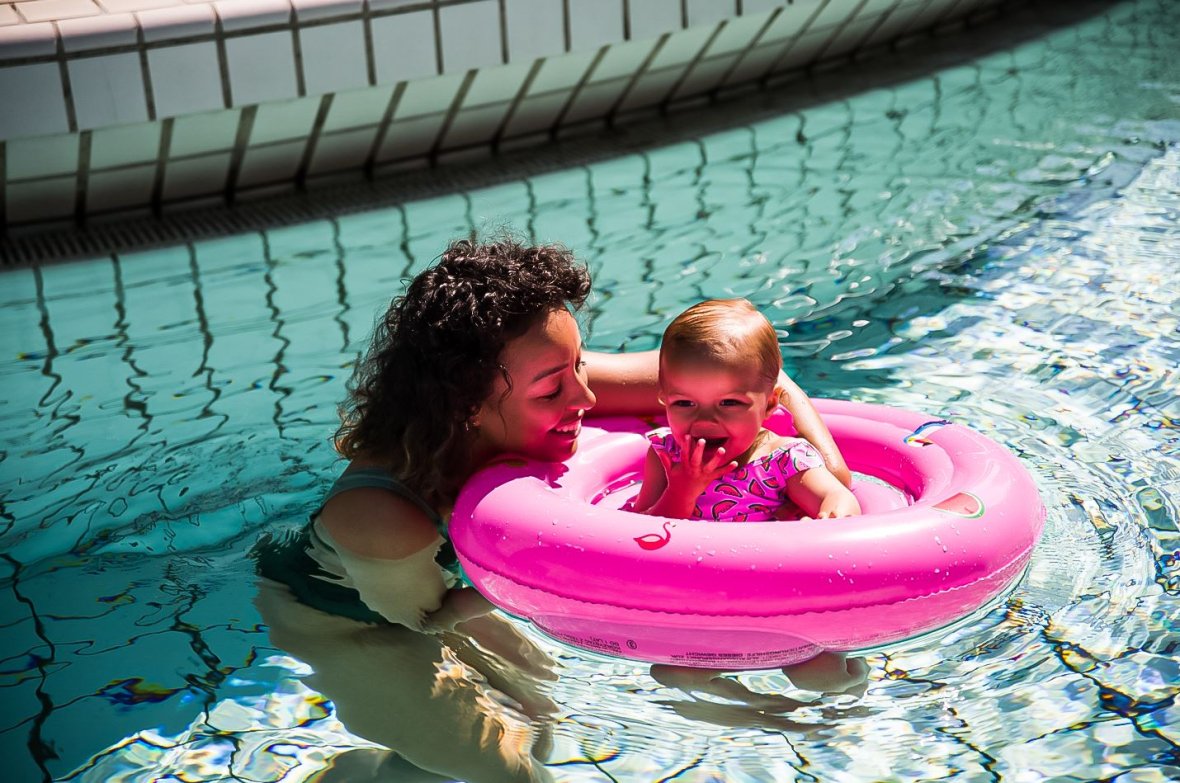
x=373, y=521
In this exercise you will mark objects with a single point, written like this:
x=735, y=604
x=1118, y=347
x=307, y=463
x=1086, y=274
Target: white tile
x=185, y=79
x=415, y=136
x=652, y=18
x=497, y=84
x=622, y=59
x=197, y=134
x=28, y=40
x=325, y=9
x=755, y=63
x=261, y=68
x=792, y=19
x=470, y=35
x=284, y=121
x=403, y=47
x=127, y=144
x=737, y=35
x=341, y=151
x=833, y=14
x=249, y=14
x=333, y=57
x=803, y=51
x=173, y=22
x=561, y=73
x=95, y=32
x=107, y=90
x=850, y=37
x=705, y=76
x=475, y=126
x=681, y=47
x=595, y=23
x=536, y=28
x=128, y=6
x=357, y=108
x=709, y=12
x=651, y=89
x=36, y=88
x=272, y=163
x=535, y=114
x=595, y=100
x=202, y=176
x=8, y=15
x=760, y=6
x=120, y=189
x=43, y=156
x=56, y=10
x=429, y=96
x=42, y=199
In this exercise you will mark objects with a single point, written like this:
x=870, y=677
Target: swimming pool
x=995, y=241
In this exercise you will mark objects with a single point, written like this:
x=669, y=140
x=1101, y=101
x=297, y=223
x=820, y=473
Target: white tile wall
x=791, y=20
x=535, y=28
x=52, y=10
x=498, y=84
x=42, y=199
x=705, y=76
x=123, y=6
x=93, y=32
x=245, y=14
x=121, y=188
x=107, y=90
x=595, y=23
x=123, y=145
x=8, y=15
x=536, y=113
x=561, y=73
x=851, y=36
x=474, y=126
x=623, y=59
x=650, y=18
x=28, y=40
x=429, y=96
x=197, y=134
x=682, y=47
x=324, y=9
x=737, y=34
x=650, y=89
x=271, y=163
x=709, y=11
x=284, y=121
x=199, y=176
x=415, y=136
x=357, y=108
x=38, y=89
x=42, y=156
x=596, y=99
x=403, y=47
x=181, y=21
x=185, y=79
x=333, y=57
x=761, y=6
x=261, y=68
x=470, y=35
x=339, y=151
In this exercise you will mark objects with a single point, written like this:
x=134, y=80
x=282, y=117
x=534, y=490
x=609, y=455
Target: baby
x=719, y=367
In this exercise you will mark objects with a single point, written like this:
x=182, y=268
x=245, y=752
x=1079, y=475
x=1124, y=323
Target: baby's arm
x=654, y=482
x=821, y=495
x=811, y=427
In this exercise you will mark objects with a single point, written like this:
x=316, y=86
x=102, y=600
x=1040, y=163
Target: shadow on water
x=830, y=81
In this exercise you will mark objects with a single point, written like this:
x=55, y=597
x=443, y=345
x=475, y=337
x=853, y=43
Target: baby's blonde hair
x=726, y=331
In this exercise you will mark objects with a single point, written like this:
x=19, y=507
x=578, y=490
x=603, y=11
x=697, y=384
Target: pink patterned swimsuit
x=756, y=490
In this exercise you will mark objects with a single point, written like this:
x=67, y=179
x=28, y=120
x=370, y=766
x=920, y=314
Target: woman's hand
x=809, y=426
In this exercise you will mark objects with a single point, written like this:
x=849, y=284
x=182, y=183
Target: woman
x=480, y=356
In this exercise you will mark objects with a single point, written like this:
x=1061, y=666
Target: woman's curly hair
x=435, y=355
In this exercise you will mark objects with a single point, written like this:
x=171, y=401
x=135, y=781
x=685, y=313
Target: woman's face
x=540, y=416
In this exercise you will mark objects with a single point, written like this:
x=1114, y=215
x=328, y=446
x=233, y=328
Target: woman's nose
x=583, y=396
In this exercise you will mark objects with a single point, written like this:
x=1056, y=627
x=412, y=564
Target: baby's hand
x=694, y=472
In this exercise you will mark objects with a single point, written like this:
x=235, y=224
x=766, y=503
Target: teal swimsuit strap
x=379, y=478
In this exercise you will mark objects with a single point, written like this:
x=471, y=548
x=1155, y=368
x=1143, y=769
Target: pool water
x=994, y=239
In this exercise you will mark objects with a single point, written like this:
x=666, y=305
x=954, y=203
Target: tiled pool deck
x=155, y=104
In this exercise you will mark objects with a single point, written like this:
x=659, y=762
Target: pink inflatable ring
x=950, y=522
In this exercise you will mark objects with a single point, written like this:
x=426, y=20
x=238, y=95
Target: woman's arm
x=811, y=427
x=624, y=383
x=821, y=495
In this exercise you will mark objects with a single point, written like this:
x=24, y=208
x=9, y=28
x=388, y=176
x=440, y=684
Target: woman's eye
x=553, y=395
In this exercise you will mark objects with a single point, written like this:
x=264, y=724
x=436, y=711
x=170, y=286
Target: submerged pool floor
x=994, y=241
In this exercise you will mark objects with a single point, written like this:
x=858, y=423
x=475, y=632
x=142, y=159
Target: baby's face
x=723, y=404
